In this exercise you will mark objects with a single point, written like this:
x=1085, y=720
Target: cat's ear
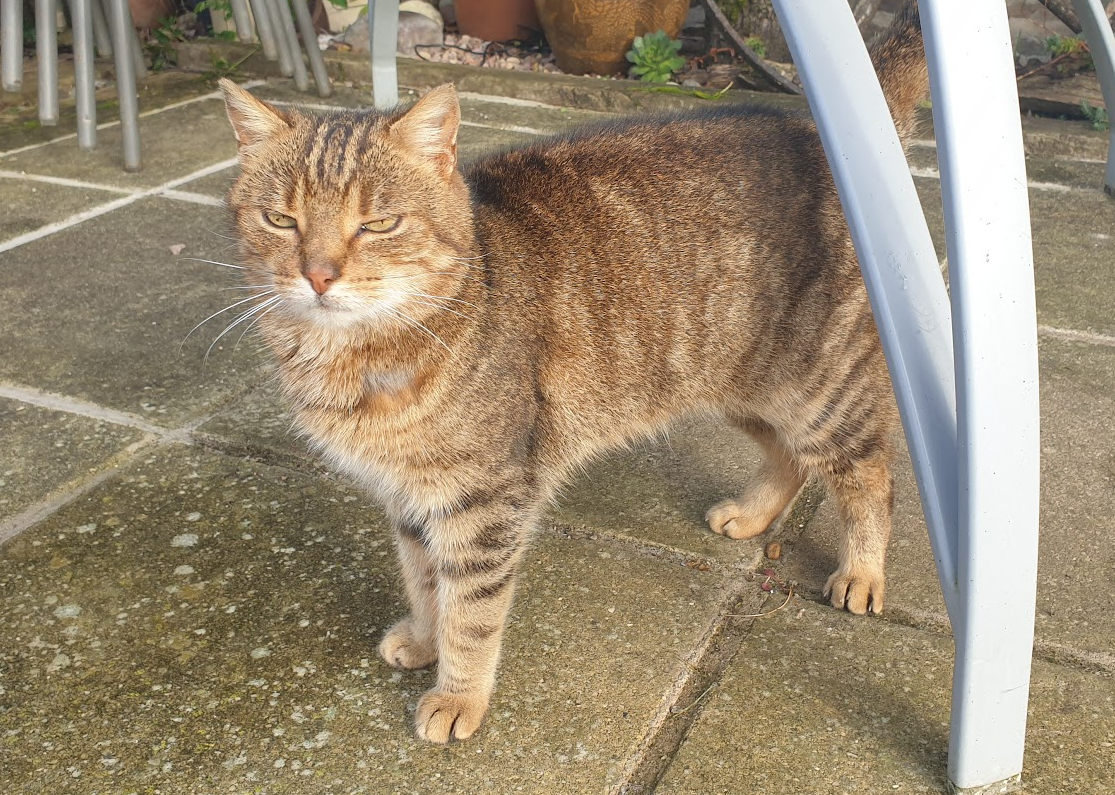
x=429, y=128
x=253, y=121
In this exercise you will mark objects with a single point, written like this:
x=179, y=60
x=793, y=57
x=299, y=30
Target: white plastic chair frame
x=971, y=418
x=383, y=32
x=1101, y=42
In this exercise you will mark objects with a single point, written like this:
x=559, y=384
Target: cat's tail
x=899, y=59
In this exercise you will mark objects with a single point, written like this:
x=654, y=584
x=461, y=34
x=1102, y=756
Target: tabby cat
x=461, y=341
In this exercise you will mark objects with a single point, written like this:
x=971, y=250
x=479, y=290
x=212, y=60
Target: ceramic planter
x=594, y=35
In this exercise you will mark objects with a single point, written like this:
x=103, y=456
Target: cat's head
x=352, y=218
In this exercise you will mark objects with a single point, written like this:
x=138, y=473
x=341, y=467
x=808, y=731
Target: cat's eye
x=280, y=220
x=381, y=225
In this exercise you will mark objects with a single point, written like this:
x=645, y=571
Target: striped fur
x=515, y=319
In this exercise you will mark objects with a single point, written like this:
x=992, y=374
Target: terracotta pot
x=147, y=13
x=595, y=35
x=497, y=20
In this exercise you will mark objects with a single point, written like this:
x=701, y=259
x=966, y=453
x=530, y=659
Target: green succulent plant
x=655, y=57
x=1097, y=116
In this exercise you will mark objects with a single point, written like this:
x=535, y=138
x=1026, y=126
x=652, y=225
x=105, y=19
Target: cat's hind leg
x=767, y=495
x=412, y=642
x=864, y=494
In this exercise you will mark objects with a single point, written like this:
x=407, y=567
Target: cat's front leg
x=412, y=642
x=478, y=551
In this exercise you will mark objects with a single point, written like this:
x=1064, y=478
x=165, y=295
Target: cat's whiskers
x=218, y=234
x=214, y=262
x=465, y=262
x=248, y=328
x=221, y=312
x=430, y=273
x=442, y=308
x=247, y=287
x=411, y=321
x=270, y=302
x=443, y=298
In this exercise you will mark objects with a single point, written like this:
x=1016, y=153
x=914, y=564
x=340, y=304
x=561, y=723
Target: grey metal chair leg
x=287, y=31
x=80, y=18
x=1101, y=41
x=131, y=39
x=11, y=46
x=262, y=12
x=383, y=33
x=102, y=37
x=138, y=60
x=243, y=21
x=120, y=19
x=313, y=52
x=282, y=43
x=46, y=46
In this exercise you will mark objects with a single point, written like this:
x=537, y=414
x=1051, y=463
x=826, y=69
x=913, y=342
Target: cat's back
x=660, y=160
x=684, y=196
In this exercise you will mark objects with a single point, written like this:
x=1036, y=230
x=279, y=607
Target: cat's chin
x=344, y=314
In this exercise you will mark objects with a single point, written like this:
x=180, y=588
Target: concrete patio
x=189, y=603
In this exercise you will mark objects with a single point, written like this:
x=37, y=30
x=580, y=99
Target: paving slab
x=475, y=108
x=659, y=492
x=821, y=701
x=216, y=185
x=259, y=425
x=1048, y=171
x=1077, y=546
x=44, y=450
x=525, y=116
x=1074, y=244
x=476, y=142
x=20, y=127
x=203, y=624
x=1084, y=174
x=175, y=142
x=100, y=312
x=30, y=205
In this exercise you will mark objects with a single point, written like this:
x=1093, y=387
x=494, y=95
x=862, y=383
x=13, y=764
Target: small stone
x=260, y=653
x=67, y=611
x=184, y=570
x=184, y=540
x=773, y=550
x=415, y=30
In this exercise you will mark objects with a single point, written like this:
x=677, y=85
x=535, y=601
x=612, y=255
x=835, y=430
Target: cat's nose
x=321, y=275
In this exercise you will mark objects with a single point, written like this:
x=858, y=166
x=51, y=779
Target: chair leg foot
x=1012, y=784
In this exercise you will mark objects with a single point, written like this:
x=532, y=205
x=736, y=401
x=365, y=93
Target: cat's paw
x=402, y=648
x=859, y=590
x=442, y=716
x=729, y=518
